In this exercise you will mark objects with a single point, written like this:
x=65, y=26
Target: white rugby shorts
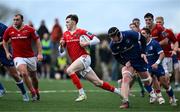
x=167, y=65
x=30, y=62
x=86, y=60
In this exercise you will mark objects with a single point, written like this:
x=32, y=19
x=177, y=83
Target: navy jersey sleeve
x=116, y=54
x=132, y=34
x=157, y=47
x=136, y=36
x=143, y=43
x=2, y=30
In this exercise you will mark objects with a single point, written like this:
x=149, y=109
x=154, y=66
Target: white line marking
x=73, y=91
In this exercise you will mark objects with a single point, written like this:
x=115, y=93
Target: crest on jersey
x=164, y=34
x=151, y=48
x=77, y=35
x=12, y=32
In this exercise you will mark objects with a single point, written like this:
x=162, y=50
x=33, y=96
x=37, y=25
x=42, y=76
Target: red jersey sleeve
x=64, y=38
x=178, y=37
x=162, y=31
x=170, y=35
x=6, y=35
x=34, y=34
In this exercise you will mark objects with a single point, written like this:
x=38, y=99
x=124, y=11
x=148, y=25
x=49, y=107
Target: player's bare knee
x=97, y=83
x=164, y=82
x=24, y=74
x=127, y=76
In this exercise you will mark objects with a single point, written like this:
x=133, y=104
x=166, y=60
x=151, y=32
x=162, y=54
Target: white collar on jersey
x=149, y=41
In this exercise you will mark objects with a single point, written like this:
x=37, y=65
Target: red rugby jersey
x=21, y=40
x=72, y=43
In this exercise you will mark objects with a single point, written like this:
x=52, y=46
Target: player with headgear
x=127, y=51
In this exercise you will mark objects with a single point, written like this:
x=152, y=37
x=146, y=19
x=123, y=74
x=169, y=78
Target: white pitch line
x=72, y=91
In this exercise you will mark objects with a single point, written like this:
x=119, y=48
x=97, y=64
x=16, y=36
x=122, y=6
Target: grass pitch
x=59, y=96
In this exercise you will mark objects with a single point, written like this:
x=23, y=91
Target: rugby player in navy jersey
x=155, y=55
x=127, y=51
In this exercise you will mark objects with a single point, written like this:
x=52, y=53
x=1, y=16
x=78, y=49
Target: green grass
x=63, y=101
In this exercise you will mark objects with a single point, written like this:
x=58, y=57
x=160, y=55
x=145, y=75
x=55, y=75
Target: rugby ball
x=84, y=38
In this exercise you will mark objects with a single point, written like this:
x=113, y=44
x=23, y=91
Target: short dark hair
x=147, y=15
x=20, y=16
x=113, y=31
x=133, y=24
x=73, y=17
x=147, y=30
x=135, y=19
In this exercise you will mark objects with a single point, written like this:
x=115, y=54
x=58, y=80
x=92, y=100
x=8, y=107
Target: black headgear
x=113, y=31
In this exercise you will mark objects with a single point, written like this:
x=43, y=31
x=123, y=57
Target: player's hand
x=9, y=56
x=62, y=42
x=154, y=66
x=84, y=44
x=173, y=53
x=39, y=57
x=144, y=57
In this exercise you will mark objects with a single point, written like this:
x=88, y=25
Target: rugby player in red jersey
x=168, y=51
x=25, y=61
x=9, y=66
x=157, y=30
x=80, y=58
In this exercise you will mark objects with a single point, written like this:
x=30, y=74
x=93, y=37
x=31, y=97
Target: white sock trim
x=19, y=82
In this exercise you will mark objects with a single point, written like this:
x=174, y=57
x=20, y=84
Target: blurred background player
x=2, y=90
x=46, y=52
x=105, y=58
x=126, y=49
x=21, y=37
x=9, y=65
x=155, y=55
x=80, y=58
x=136, y=21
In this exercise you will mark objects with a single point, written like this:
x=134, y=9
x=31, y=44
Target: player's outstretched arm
x=39, y=48
x=95, y=40
x=6, y=48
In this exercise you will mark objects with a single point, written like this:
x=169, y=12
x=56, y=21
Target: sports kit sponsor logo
x=20, y=37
